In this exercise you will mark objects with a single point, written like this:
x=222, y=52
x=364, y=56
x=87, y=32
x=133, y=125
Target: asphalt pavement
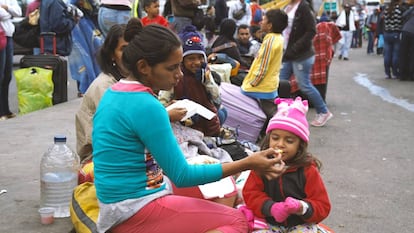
x=367, y=152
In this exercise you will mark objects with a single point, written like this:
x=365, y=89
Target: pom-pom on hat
x=291, y=116
x=192, y=42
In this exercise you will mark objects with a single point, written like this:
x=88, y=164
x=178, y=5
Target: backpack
x=84, y=208
x=237, y=15
x=258, y=15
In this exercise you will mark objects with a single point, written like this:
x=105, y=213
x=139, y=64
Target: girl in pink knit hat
x=297, y=200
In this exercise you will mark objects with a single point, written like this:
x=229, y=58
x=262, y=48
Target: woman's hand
x=176, y=114
x=268, y=163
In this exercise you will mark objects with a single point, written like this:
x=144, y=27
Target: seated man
x=244, y=43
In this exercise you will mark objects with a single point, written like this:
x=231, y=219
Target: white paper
x=217, y=189
x=192, y=109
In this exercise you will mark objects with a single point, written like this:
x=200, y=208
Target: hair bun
x=133, y=28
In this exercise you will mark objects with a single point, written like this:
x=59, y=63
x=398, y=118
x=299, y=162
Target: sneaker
x=11, y=115
x=321, y=119
x=346, y=59
x=339, y=57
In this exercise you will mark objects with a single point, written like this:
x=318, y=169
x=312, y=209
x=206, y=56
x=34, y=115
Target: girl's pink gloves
x=281, y=210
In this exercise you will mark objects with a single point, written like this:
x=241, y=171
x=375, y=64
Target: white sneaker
x=321, y=119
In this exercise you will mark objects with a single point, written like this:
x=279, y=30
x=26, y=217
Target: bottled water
x=58, y=177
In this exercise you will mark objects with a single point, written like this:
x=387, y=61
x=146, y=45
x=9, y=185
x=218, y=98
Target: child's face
x=259, y=34
x=265, y=25
x=153, y=9
x=285, y=141
x=193, y=62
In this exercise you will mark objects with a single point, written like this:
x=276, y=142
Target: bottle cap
x=60, y=138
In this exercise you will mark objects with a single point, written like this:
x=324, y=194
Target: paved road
x=367, y=150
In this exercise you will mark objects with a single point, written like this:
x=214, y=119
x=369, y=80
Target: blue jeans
x=391, y=53
x=345, y=43
x=302, y=70
x=108, y=17
x=370, y=47
x=224, y=58
x=222, y=115
x=6, y=67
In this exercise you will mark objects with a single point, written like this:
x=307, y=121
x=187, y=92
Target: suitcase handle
x=42, y=41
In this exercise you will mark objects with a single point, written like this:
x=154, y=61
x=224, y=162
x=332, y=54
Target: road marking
x=362, y=79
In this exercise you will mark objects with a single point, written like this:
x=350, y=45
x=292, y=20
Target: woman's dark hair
x=391, y=7
x=278, y=19
x=302, y=158
x=132, y=29
x=148, y=3
x=154, y=43
x=228, y=28
x=254, y=29
x=105, y=53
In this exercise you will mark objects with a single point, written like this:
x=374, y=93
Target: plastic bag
x=34, y=88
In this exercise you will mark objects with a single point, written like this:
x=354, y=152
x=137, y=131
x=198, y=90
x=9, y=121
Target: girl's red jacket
x=303, y=183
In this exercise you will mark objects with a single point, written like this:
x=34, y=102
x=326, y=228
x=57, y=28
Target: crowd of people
x=141, y=61
x=387, y=30
x=149, y=59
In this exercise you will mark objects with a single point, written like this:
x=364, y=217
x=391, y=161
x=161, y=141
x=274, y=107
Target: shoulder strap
x=224, y=46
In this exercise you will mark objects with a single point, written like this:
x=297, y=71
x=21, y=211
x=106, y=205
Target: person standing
x=299, y=55
x=222, y=11
x=240, y=12
x=371, y=30
x=56, y=16
x=257, y=13
x=407, y=45
x=184, y=12
x=346, y=23
x=152, y=8
x=113, y=12
x=8, y=10
x=392, y=38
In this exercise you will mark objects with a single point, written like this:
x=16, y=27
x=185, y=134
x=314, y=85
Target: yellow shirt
x=263, y=76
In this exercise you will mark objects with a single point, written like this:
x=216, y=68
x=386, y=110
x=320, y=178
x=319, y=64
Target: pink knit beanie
x=291, y=116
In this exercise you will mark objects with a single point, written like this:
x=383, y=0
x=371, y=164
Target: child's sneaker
x=321, y=119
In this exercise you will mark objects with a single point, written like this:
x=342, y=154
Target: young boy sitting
x=197, y=84
x=152, y=8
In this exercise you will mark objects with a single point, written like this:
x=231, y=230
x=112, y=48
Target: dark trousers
x=406, y=60
x=268, y=105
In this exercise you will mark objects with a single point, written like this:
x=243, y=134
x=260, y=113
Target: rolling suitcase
x=243, y=112
x=54, y=62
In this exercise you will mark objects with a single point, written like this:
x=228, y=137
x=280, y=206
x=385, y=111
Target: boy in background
x=152, y=8
x=262, y=81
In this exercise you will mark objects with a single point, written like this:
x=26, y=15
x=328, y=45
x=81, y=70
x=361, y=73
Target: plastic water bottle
x=58, y=176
